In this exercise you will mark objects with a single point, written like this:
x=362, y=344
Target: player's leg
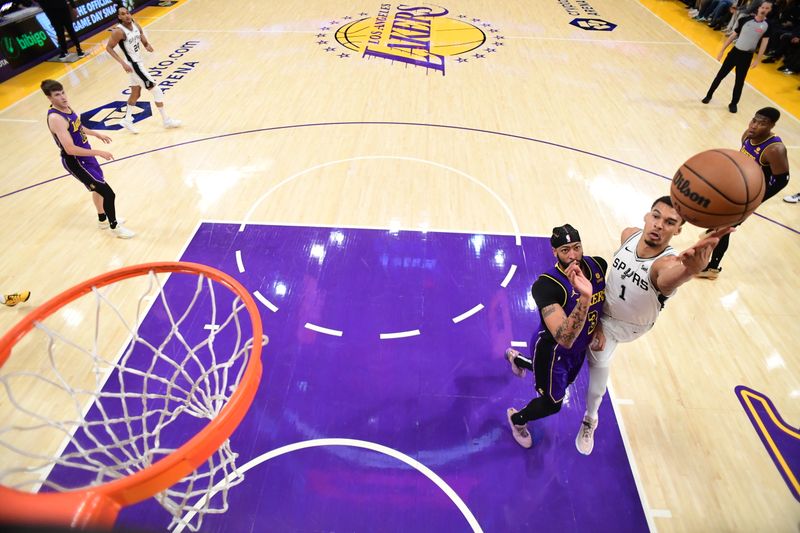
x=158, y=97
x=88, y=172
x=742, y=66
x=727, y=65
x=519, y=363
x=550, y=373
x=136, y=92
x=599, y=368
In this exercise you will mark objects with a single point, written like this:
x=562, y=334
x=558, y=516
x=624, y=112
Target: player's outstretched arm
x=670, y=272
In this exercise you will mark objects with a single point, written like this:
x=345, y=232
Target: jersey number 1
x=622, y=293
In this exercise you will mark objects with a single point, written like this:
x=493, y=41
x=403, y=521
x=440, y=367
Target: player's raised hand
x=578, y=280
x=696, y=257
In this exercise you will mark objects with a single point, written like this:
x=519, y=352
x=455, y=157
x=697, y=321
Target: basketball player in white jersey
x=643, y=273
x=130, y=38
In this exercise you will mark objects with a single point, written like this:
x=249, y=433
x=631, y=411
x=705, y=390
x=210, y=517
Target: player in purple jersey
x=570, y=300
x=78, y=156
x=768, y=150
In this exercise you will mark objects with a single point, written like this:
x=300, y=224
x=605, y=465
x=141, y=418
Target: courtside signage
x=585, y=16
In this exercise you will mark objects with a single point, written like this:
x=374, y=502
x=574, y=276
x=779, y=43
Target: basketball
x=717, y=188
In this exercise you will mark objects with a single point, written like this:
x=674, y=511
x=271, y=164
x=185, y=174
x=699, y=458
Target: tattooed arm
x=565, y=329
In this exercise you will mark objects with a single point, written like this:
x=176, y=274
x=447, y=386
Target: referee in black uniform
x=750, y=31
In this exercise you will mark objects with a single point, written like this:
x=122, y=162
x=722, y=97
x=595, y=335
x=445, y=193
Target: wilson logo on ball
x=683, y=186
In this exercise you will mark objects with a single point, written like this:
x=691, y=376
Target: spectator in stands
x=786, y=32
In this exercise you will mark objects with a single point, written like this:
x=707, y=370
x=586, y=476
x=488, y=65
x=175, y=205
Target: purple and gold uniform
x=755, y=151
x=85, y=168
x=554, y=366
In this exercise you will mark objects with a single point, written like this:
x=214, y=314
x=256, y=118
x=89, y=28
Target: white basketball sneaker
x=172, y=123
x=792, y=198
x=106, y=224
x=128, y=125
x=121, y=232
x=585, y=439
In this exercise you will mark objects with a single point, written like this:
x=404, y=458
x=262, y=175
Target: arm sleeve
x=548, y=291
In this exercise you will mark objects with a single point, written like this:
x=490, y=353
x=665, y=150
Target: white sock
x=129, y=112
x=164, y=116
x=598, y=381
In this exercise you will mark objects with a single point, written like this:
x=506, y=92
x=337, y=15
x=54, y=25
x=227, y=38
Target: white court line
x=19, y=120
x=400, y=334
x=510, y=275
x=519, y=344
x=468, y=314
x=239, y=262
x=413, y=463
x=634, y=470
x=263, y=299
x=326, y=331
x=211, y=327
x=503, y=205
x=660, y=513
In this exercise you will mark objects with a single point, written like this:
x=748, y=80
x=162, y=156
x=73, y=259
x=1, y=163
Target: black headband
x=562, y=235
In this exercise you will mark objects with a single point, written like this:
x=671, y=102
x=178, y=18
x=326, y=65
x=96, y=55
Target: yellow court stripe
x=778, y=87
x=28, y=82
x=747, y=395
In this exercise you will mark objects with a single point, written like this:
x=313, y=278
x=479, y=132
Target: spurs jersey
x=132, y=43
x=630, y=295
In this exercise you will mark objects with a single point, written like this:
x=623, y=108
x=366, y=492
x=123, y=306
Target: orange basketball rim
x=98, y=506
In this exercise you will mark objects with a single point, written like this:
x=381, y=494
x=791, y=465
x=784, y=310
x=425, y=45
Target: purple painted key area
x=439, y=396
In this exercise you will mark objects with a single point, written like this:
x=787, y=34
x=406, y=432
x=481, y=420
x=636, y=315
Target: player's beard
x=564, y=265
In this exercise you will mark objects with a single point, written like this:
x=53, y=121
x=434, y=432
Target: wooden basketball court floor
x=290, y=128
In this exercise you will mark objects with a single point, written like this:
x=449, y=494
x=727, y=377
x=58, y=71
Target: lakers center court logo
x=425, y=36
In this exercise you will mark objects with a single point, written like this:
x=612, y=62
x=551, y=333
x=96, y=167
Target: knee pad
x=158, y=94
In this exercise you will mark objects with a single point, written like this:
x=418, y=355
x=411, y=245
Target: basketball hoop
x=190, y=364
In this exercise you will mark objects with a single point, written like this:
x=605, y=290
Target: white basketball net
x=110, y=412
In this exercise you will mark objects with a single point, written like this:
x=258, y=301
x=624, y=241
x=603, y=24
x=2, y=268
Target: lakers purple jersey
x=74, y=129
x=757, y=150
x=570, y=300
